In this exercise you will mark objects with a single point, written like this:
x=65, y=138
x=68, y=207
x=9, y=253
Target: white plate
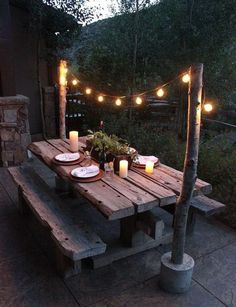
x=85, y=172
x=143, y=159
x=68, y=157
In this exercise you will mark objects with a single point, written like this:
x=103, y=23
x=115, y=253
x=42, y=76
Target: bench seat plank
x=206, y=206
x=75, y=241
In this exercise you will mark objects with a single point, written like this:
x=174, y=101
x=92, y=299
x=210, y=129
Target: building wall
x=25, y=54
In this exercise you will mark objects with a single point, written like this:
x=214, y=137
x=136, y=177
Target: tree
x=176, y=270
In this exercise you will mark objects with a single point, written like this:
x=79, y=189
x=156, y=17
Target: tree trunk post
x=62, y=98
x=177, y=267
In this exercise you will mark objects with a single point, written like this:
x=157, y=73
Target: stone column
x=14, y=130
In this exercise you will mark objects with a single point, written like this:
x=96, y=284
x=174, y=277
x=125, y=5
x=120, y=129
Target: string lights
x=100, y=98
x=208, y=107
x=138, y=100
x=118, y=102
x=186, y=78
x=88, y=91
x=160, y=91
x=75, y=82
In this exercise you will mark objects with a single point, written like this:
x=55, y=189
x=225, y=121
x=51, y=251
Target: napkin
x=144, y=159
x=86, y=170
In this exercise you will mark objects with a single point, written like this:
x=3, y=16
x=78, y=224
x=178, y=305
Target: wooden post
x=62, y=98
x=190, y=163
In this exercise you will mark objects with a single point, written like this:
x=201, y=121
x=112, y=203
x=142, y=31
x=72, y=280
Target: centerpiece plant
x=116, y=148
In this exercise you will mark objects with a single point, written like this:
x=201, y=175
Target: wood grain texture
x=163, y=195
x=206, y=206
x=201, y=185
x=74, y=241
x=109, y=202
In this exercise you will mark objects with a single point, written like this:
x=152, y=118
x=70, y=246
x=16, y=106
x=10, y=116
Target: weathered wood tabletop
x=118, y=198
x=128, y=200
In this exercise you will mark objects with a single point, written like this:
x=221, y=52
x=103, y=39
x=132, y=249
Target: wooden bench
x=71, y=243
x=201, y=205
x=204, y=206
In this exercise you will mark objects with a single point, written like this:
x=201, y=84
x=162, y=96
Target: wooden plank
x=162, y=179
x=206, y=206
x=140, y=198
x=165, y=196
x=41, y=204
x=75, y=241
x=60, y=145
x=203, y=186
x=109, y=202
x=78, y=241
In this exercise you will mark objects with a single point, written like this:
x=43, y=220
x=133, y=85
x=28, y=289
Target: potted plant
x=116, y=148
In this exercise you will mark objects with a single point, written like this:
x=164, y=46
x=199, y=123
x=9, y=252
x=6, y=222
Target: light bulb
x=74, y=82
x=208, y=107
x=88, y=91
x=100, y=98
x=138, y=100
x=160, y=92
x=118, y=102
x=186, y=78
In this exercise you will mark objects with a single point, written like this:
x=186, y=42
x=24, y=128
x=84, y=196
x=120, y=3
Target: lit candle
x=74, y=143
x=149, y=167
x=123, y=170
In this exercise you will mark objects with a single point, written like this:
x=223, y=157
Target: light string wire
x=100, y=93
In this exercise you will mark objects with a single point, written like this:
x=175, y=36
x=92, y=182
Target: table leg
x=127, y=229
x=140, y=229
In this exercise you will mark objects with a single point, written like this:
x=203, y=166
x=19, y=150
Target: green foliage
x=101, y=141
x=217, y=157
x=59, y=22
x=170, y=37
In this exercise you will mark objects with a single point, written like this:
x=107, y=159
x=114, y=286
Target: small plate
x=141, y=160
x=85, y=172
x=67, y=157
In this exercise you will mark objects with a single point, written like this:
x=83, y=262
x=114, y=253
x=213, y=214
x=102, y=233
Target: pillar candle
x=149, y=167
x=123, y=170
x=74, y=144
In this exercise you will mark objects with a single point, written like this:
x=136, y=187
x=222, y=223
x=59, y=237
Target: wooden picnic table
x=128, y=200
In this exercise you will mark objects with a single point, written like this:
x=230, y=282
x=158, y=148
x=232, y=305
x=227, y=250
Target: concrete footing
x=176, y=278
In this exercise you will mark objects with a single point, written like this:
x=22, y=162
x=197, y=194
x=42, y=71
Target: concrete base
x=176, y=278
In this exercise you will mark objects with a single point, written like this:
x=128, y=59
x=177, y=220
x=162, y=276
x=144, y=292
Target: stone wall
x=14, y=130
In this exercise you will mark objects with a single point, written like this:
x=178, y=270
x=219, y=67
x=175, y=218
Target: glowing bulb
x=208, y=107
x=88, y=91
x=160, y=92
x=100, y=98
x=118, y=101
x=74, y=82
x=186, y=78
x=138, y=100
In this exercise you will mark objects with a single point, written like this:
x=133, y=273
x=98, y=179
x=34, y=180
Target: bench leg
x=65, y=266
